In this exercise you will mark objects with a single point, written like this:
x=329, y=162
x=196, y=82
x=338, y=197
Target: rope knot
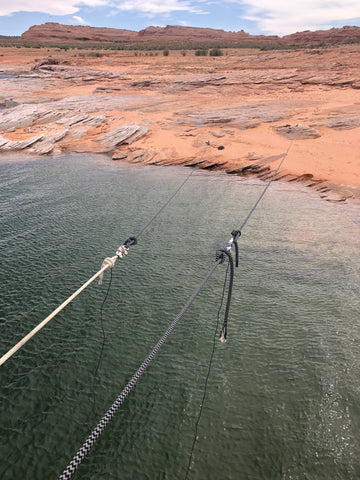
x=220, y=256
x=108, y=262
x=130, y=241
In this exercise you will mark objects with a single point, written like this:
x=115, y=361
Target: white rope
x=108, y=263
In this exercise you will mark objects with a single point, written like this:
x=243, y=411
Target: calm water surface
x=283, y=396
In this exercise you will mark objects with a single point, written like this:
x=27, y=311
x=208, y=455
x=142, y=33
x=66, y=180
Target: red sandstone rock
x=57, y=33
x=334, y=36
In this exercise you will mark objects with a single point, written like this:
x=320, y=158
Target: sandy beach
x=238, y=112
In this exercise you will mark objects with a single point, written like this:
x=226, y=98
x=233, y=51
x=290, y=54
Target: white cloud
x=52, y=7
x=282, y=17
x=79, y=20
x=154, y=7
x=70, y=7
x=271, y=16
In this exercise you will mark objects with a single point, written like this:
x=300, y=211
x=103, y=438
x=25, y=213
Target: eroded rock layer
x=58, y=33
x=237, y=113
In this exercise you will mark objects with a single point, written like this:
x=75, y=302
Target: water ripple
x=283, y=394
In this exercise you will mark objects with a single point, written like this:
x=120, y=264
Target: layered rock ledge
x=236, y=113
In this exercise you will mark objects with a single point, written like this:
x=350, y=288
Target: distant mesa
x=56, y=33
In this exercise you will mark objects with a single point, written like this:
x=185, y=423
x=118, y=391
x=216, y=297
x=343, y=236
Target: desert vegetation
x=187, y=45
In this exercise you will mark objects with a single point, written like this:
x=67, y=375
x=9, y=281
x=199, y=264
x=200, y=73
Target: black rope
x=94, y=435
x=164, y=206
x=235, y=237
x=133, y=240
x=220, y=257
x=236, y=234
x=207, y=376
x=220, y=254
x=265, y=189
x=103, y=341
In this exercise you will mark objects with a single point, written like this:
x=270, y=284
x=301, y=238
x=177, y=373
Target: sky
x=267, y=17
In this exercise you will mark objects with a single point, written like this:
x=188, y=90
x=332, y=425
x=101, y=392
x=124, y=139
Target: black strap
x=236, y=234
x=221, y=255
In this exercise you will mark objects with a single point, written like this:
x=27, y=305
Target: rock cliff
x=57, y=33
x=334, y=36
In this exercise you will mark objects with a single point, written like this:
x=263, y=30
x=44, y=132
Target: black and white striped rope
x=94, y=435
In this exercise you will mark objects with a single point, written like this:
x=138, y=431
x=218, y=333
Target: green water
x=283, y=396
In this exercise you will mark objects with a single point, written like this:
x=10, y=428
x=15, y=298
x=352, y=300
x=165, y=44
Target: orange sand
x=333, y=157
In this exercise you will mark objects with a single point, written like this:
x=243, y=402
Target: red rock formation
x=334, y=36
x=57, y=33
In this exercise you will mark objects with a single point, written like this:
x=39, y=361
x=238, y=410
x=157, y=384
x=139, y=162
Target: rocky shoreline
x=205, y=119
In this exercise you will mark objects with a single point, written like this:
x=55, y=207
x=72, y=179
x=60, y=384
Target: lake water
x=283, y=396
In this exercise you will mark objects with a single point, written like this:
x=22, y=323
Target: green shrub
x=201, y=52
x=95, y=54
x=166, y=53
x=216, y=52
